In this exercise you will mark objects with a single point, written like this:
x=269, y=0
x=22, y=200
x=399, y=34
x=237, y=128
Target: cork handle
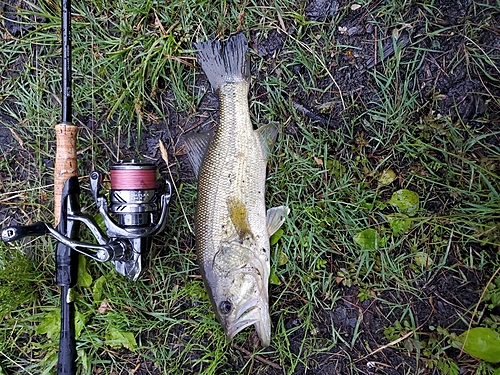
x=66, y=164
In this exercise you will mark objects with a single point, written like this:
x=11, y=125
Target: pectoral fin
x=196, y=147
x=275, y=218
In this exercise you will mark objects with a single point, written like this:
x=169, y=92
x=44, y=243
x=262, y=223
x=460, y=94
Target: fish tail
x=224, y=64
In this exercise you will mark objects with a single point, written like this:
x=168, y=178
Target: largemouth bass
x=232, y=225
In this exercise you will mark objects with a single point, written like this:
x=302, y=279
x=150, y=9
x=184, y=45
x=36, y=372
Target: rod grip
x=66, y=163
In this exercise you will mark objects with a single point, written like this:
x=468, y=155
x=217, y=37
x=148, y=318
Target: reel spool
x=133, y=193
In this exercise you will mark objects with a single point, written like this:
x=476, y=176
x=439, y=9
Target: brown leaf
x=318, y=161
x=163, y=151
x=104, y=308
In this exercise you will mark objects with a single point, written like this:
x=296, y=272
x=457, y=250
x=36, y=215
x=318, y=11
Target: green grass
x=343, y=241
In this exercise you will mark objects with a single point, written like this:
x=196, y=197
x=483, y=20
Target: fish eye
x=225, y=307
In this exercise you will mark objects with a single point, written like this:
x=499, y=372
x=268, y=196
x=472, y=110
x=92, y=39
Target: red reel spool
x=133, y=176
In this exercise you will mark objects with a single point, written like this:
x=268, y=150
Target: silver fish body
x=232, y=226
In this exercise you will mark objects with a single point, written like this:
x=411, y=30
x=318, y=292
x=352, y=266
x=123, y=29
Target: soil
x=435, y=300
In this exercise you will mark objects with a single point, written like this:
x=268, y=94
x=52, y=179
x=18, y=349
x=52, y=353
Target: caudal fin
x=223, y=64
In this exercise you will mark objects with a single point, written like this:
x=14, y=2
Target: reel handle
x=17, y=232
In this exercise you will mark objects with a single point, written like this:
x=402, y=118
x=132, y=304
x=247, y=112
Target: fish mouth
x=251, y=313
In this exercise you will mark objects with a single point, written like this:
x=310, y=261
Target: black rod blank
x=67, y=99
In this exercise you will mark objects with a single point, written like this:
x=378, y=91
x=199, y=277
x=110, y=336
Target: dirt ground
x=438, y=299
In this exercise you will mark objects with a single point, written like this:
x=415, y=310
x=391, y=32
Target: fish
x=232, y=225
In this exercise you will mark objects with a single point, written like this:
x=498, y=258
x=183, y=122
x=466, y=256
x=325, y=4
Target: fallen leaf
x=163, y=151
x=406, y=201
x=104, y=308
x=369, y=239
x=483, y=343
x=386, y=177
x=116, y=339
x=423, y=259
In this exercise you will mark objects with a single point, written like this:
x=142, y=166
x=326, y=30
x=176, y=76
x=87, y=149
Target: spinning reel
x=136, y=212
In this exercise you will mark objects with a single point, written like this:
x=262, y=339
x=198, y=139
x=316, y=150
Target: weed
x=18, y=279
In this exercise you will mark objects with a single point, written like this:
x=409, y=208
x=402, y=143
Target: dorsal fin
x=267, y=135
x=196, y=147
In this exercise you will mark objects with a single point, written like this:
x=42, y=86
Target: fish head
x=240, y=299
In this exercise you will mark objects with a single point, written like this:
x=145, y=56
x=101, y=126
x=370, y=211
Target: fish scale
x=232, y=225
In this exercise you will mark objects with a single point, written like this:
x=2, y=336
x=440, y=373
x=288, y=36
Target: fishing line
x=92, y=117
x=133, y=179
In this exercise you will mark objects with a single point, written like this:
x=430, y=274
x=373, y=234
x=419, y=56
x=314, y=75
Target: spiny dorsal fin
x=275, y=218
x=196, y=147
x=267, y=135
x=224, y=64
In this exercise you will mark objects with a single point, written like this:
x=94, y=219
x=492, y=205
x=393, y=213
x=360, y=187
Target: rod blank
x=67, y=99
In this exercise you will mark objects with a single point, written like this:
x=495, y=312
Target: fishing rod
x=65, y=175
x=137, y=212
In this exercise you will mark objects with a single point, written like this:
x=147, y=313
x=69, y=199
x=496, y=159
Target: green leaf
x=386, y=177
x=97, y=289
x=369, y=239
x=100, y=222
x=497, y=372
x=406, y=201
x=282, y=259
x=399, y=223
x=116, y=339
x=84, y=360
x=80, y=320
x=83, y=279
x=276, y=237
x=482, y=343
x=274, y=279
x=423, y=259
x=50, y=325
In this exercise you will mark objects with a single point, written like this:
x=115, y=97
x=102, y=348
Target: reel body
x=137, y=212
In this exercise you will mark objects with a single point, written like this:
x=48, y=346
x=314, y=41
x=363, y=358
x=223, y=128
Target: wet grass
x=348, y=249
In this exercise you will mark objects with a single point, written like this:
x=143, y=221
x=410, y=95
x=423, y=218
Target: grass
x=349, y=251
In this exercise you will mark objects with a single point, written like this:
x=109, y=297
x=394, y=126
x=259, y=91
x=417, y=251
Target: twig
x=392, y=343
x=482, y=50
x=313, y=116
x=14, y=362
x=164, y=156
x=259, y=358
